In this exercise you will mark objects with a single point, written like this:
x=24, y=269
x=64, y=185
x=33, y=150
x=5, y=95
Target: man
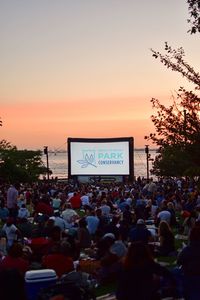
x=58, y=221
x=12, y=195
x=164, y=215
x=69, y=215
x=75, y=201
x=92, y=222
x=85, y=200
x=140, y=233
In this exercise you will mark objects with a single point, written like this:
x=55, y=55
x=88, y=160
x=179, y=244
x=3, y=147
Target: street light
x=147, y=158
x=185, y=124
x=47, y=157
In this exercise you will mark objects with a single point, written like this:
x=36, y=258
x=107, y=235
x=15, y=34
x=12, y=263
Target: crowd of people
x=115, y=232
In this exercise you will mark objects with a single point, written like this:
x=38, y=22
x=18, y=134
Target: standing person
x=10, y=231
x=83, y=235
x=12, y=195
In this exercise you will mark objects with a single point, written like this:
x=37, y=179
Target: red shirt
x=44, y=208
x=58, y=262
x=19, y=263
x=75, y=201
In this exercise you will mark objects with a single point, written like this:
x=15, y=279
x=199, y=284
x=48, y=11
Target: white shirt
x=10, y=233
x=23, y=213
x=85, y=200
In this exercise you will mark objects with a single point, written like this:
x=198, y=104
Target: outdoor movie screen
x=99, y=157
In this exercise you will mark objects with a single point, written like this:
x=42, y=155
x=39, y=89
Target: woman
x=166, y=239
x=83, y=235
x=137, y=277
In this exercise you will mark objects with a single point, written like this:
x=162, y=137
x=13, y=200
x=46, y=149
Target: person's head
x=170, y=205
x=98, y=212
x=9, y=221
x=56, y=213
x=56, y=233
x=50, y=223
x=164, y=205
x=138, y=255
x=65, y=248
x=140, y=223
x=104, y=201
x=164, y=228
x=68, y=206
x=115, y=219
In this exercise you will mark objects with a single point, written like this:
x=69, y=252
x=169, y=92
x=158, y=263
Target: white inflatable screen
x=109, y=158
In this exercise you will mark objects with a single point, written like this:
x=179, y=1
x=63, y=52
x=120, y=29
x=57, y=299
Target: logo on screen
x=88, y=159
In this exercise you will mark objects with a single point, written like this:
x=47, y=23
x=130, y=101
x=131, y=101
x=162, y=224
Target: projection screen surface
x=105, y=158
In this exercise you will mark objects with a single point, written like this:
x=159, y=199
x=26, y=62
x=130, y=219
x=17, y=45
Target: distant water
x=58, y=163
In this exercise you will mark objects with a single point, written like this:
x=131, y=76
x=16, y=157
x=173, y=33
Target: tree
x=20, y=165
x=177, y=127
x=194, y=12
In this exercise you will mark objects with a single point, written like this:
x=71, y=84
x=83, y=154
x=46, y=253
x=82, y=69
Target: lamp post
x=147, y=159
x=185, y=125
x=47, y=157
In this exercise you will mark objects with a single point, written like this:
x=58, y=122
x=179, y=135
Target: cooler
x=38, y=279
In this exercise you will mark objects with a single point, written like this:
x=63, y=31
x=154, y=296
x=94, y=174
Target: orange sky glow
x=85, y=69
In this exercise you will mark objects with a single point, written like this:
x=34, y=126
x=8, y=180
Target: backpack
x=73, y=286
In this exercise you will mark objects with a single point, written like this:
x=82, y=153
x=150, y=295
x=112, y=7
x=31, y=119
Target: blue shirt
x=139, y=234
x=92, y=224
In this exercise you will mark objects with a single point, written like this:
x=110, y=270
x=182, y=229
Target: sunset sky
x=83, y=68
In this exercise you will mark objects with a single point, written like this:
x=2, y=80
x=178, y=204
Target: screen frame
x=130, y=141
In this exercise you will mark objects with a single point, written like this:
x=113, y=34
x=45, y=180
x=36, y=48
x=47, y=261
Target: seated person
x=136, y=279
x=83, y=235
x=140, y=233
x=166, y=239
x=23, y=212
x=4, y=212
x=59, y=259
x=189, y=257
x=14, y=259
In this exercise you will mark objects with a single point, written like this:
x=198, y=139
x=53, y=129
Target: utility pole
x=185, y=125
x=147, y=158
x=47, y=157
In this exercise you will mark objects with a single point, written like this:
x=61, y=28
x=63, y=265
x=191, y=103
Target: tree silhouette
x=194, y=12
x=177, y=127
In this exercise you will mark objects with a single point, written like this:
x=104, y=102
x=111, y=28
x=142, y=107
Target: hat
x=109, y=235
x=118, y=248
x=140, y=222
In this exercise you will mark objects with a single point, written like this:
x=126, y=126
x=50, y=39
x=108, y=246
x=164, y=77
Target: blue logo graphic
x=88, y=160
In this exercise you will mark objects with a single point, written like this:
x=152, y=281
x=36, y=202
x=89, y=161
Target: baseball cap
x=140, y=222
